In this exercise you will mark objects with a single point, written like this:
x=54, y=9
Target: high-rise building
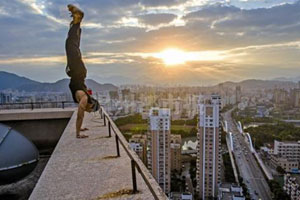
x=159, y=159
x=139, y=144
x=208, y=148
x=175, y=152
x=295, y=98
x=280, y=96
x=238, y=94
x=5, y=98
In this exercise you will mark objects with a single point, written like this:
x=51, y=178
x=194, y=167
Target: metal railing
x=33, y=105
x=136, y=163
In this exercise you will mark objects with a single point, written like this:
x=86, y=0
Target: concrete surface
x=36, y=114
x=87, y=168
x=41, y=126
x=44, y=133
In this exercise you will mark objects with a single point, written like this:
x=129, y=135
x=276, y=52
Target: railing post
x=101, y=113
x=133, y=176
x=104, y=120
x=117, y=144
x=109, y=128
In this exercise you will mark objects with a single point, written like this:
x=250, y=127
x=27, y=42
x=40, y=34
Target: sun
x=177, y=57
x=172, y=56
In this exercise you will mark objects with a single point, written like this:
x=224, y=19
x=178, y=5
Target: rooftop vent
x=18, y=155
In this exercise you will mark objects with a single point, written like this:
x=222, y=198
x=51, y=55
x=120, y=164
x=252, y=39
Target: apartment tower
x=175, y=152
x=238, y=94
x=159, y=159
x=208, y=149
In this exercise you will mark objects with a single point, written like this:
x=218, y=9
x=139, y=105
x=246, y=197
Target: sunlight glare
x=174, y=56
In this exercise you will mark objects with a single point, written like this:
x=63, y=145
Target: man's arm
x=83, y=101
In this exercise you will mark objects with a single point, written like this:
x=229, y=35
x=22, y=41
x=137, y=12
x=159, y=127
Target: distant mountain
x=95, y=86
x=294, y=79
x=118, y=80
x=254, y=84
x=13, y=81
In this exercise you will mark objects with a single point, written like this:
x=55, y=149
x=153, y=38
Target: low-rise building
x=186, y=196
x=139, y=144
x=267, y=151
x=229, y=191
x=286, y=155
x=291, y=166
x=181, y=196
x=138, y=148
x=287, y=149
x=292, y=186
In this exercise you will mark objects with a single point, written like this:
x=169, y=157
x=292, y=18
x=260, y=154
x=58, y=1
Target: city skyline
x=190, y=146
x=128, y=42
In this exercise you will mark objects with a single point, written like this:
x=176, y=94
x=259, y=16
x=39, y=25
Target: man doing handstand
x=77, y=71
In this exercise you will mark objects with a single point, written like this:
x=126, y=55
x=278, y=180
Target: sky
x=156, y=42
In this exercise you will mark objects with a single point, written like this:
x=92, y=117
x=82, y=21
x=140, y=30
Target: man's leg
x=83, y=101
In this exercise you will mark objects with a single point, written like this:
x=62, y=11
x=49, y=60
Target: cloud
x=263, y=18
x=212, y=12
x=156, y=19
x=156, y=3
x=120, y=33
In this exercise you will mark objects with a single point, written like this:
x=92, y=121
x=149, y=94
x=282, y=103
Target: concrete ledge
x=88, y=168
x=36, y=114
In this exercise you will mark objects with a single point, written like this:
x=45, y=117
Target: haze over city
x=135, y=42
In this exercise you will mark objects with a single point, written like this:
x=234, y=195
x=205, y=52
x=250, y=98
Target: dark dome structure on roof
x=18, y=155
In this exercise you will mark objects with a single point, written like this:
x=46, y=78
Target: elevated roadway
x=247, y=165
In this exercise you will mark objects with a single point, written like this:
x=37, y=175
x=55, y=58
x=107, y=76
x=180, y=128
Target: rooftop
x=90, y=168
x=295, y=178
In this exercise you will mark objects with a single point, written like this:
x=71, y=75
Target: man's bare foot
x=77, y=14
x=84, y=129
x=81, y=136
x=73, y=8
